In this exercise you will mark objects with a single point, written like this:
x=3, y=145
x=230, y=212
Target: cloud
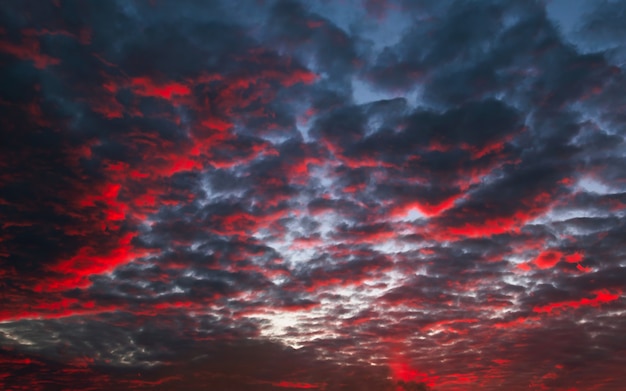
x=371, y=195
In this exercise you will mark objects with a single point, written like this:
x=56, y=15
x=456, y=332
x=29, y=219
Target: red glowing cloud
x=146, y=87
x=548, y=259
x=287, y=384
x=601, y=297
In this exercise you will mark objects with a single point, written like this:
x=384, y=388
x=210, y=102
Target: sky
x=275, y=195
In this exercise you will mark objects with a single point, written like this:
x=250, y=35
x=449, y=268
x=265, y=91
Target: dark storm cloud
x=187, y=190
x=315, y=38
x=601, y=29
x=236, y=364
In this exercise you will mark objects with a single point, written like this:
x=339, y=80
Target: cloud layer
x=283, y=195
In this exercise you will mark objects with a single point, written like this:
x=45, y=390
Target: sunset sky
x=355, y=195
